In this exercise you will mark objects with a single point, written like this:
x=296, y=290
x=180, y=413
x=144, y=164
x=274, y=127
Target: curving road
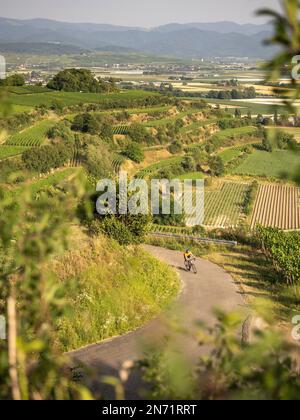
x=212, y=287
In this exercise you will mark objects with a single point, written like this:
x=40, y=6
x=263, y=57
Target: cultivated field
x=30, y=100
x=224, y=207
x=270, y=165
x=9, y=151
x=32, y=137
x=277, y=206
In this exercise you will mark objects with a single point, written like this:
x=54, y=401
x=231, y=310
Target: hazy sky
x=136, y=12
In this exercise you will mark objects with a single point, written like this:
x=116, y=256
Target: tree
x=175, y=147
x=61, y=131
x=80, y=80
x=134, y=152
x=287, y=40
x=216, y=165
x=237, y=113
x=14, y=80
x=86, y=123
x=45, y=158
x=96, y=158
x=106, y=131
x=138, y=133
x=188, y=164
x=31, y=366
x=276, y=117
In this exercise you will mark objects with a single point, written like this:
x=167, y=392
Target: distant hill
x=40, y=48
x=221, y=27
x=191, y=40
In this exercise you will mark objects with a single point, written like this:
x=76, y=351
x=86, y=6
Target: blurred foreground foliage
x=262, y=370
x=32, y=231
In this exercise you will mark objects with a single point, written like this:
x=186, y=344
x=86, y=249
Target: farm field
x=164, y=164
x=245, y=107
x=228, y=155
x=277, y=206
x=224, y=207
x=235, y=132
x=31, y=137
x=121, y=129
x=9, y=151
x=207, y=87
x=191, y=175
x=271, y=165
x=75, y=98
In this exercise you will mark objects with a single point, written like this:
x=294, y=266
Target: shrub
x=175, y=147
x=216, y=165
x=113, y=228
x=134, y=152
x=188, y=164
x=61, y=130
x=86, y=123
x=45, y=158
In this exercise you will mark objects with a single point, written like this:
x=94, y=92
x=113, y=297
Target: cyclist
x=188, y=256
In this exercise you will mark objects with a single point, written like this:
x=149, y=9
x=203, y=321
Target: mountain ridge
x=191, y=40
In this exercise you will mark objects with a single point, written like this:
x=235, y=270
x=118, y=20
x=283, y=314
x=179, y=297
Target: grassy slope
x=112, y=290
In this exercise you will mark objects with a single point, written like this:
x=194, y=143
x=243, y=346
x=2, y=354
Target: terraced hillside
x=31, y=137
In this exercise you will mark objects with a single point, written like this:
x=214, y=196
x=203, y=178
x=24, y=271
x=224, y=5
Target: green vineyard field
x=151, y=170
x=32, y=137
x=121, y=129
x=224, y=207
x=10, y=151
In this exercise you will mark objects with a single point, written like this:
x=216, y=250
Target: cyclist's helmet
x=187, y=251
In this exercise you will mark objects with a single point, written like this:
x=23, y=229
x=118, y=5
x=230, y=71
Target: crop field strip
x=11, y=151
x=121, y=129
x=152, y=169
x=74, y=98
x=277, y=206
x=224, y=207
x=31, y=137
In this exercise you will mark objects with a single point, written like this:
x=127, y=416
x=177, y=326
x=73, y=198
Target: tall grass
x=112, y=290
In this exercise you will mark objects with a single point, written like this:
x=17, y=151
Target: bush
x=96, y=158
x=113, y=228
x=139, y=133
x=86, y=123
x=250, y=198
x=188, y=164
x=134, y=152
x=45, y=158
x=62, y=131
x=216, y=165
x=175, y=147
x=14, y=80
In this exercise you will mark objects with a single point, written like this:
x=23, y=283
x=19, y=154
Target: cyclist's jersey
x=188, y=255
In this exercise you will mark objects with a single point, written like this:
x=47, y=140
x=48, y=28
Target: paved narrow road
x=211, y=288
